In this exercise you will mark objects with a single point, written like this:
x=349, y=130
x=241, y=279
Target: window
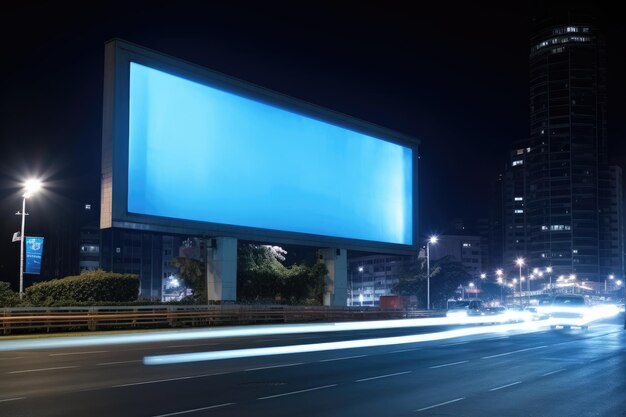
x=518, y=198
x=519, y=211
x=519, y=162
x=467, y=245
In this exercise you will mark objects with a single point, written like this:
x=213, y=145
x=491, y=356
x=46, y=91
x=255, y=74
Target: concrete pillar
x=336, y=282
x=222, y=269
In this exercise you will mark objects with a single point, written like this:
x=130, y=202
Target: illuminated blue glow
x=200, y=153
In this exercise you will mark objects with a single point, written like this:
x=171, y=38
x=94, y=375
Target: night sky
x=453, y=76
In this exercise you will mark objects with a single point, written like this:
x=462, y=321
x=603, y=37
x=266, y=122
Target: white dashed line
x=78, y=353
x=405, y=350
x=515, y=351
x=382, y=376
x=116, y=363
x=41, y=369
x=195, y=410
x=297, y=392
x=456, y=344
x=440, y=404
x=274, y=366
x=341, y=359
x=156, y=381
x=553, y=372
x=505, y=386
x=447, y=364
x=12, y=399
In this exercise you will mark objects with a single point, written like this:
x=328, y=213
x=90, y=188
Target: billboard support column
x=336, y=282
x=222, y=269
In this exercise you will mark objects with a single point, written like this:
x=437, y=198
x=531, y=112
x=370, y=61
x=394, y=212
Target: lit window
x=520, y=162
x=544, y=227
x=519, y=198
x=87, y=206
x=574, y=250
x=467, y=245
x=518, y=211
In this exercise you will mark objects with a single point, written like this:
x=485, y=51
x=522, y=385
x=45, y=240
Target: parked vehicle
x=465, y=308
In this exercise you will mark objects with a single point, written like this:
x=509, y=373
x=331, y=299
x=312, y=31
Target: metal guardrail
x=53, y=319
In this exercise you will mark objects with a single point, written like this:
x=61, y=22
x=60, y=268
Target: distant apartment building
x=562, y=201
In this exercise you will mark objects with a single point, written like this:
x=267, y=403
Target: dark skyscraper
x=572, y=207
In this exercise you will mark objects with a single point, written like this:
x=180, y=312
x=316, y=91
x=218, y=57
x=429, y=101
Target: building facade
x=562, y=201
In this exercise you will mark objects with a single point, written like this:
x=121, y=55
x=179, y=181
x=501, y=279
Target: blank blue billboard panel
x=200, y=153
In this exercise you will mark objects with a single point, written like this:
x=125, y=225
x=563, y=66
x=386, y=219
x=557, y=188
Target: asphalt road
x=500, y=372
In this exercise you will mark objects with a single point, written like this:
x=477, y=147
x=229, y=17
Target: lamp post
x=30, y=188
x=549, y=271
x=471, y=285
x=499, y=279
x=433, y=240
x=520, y=263
x=611, y=277
x=361, y=289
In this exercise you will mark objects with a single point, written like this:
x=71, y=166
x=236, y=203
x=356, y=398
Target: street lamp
x=30, y=187
x=432, y=240
x=611, y=277
x=549, y=271
x=520, y=263
x=499, y=279
x=361, y=289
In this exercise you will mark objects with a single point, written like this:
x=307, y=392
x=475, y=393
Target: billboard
x=186, y=149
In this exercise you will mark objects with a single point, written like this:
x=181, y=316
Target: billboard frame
x=115, y=140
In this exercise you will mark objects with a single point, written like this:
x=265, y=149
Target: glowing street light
x=432, y=240
x=31, y=186
x=520, y=262
x=611, y=277
x=471, y=285
x=549, y=271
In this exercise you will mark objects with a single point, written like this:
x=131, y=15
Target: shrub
x=91, y=286
x=8, y=298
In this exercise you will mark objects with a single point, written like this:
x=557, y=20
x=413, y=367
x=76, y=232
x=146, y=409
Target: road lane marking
x=505, y=386
x=195, y=410
x=12, y=399
x=447, y=364
x=78, y=353
x=202, y=344
x=297, y=392
x=274, y=366
x=383, y=376
x=341, y=359
x=515, y=351
x=405, y=350
x=440, y=404
x=553, y=372
x=115, y=363
x=156, y=381
x=41, y=369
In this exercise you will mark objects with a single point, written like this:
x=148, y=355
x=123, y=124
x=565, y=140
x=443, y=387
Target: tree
x=192, y=273
x=446, y=274
x=262, y=277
